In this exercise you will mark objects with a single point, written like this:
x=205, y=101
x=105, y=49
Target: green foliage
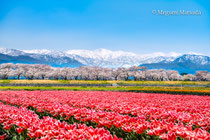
x=12, y=134
x=104, y=82
x=5, y=81
x=169, y=90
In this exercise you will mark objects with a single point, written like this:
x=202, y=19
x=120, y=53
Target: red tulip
x=19, y=130
x=2, y=137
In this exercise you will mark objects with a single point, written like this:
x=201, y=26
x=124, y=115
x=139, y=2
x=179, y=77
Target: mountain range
x=18, y=56
x=188, y=63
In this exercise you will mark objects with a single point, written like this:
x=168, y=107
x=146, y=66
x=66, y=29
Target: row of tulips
x=193, y=110
x=173, y=91
x=21, y=123
x=46, y=101
x=79, y=115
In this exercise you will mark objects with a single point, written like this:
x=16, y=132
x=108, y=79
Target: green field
x=171, y=90
x=149, y=89
x=104, y=82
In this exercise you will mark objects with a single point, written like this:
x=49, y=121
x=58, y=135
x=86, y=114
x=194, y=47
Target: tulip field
x=103, y=115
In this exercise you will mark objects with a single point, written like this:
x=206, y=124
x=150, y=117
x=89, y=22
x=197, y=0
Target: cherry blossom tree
x=201, y=75
x=40, y=71
x=5, y=70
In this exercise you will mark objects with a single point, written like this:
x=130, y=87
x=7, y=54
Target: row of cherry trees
x=38, y=71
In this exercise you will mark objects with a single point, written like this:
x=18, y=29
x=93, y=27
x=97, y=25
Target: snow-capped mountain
x=11, y=52
x=46, y=52
x=192, y=58
x=105, y=58
x=187, y=63
x=53, y=58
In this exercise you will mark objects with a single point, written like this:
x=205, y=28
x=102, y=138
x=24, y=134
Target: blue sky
x=127, y=25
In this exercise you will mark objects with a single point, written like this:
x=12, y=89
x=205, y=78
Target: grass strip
x=168, y=90
x=105, y=82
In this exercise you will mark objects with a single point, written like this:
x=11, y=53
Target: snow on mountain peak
x=106, y=58
x=99, y=53
x=45, y=52
x=161, y=54
x=12, y=52
x=103, y=57
x=36, y=51
x=194, y=53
